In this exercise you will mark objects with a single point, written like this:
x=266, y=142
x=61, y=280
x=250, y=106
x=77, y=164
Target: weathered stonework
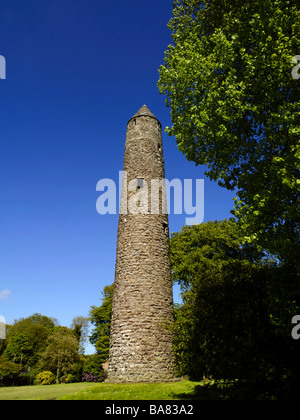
x=140, y=343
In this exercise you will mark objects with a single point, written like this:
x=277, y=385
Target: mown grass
x=104, y=391
x=140, y=391
x=41, y=392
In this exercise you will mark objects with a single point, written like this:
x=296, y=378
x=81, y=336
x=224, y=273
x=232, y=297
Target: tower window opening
x=165, y=226
x=134, y=121
x=140, y=183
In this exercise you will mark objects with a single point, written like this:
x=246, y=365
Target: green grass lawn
x=102, y=391
x=143, y=391
x=41, y=392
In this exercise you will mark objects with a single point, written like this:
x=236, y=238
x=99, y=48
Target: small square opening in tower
x=165, y=226
x=140, y=183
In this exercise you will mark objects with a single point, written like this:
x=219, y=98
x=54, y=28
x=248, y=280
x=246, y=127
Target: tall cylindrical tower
x=142, y=312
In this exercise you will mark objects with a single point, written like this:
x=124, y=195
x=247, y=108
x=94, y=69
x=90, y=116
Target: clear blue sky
x=76, y=71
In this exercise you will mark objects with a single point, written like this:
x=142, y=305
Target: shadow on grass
x=209, y=391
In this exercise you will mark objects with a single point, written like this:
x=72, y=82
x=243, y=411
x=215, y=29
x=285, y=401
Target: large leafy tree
x=215, y=273
x=9, y=372
x=19, y=349
x=27, y=337
x=61, y=353
x=200, y=249
x=100, y=317
x=235, y=108
x=225, y=326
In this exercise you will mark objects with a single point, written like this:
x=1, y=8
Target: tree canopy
x=199, y=250
x=79, y=326
x=61, y=353
x=27, y=338
x=37, y=343
x=235, y=320
x=235, y=108
x=100, y=317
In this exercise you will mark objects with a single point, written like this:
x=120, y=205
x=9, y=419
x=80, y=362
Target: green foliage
x=101, y=318
x=93, y=364
x=70, y=379
x=230, y=324
x=19, y=348
x=235, y=320
x=61, y=353
x=26, y=339
x=45, y=378
x=217, y=275
x=200, y=249
x=80, y=329
x=235, y=108
x=36, y=344
x=75, y=374
x=9, y=372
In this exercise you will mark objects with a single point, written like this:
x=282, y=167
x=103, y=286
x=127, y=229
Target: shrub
x=70, y=378
x=76, y=372
x=93, y=365
x=45, y=378
x=9, y=372
x=89, y=377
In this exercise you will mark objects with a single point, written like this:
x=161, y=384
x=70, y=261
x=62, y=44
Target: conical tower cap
x=144, y=111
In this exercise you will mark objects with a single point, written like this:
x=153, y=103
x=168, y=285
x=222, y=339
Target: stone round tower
x=142, y=311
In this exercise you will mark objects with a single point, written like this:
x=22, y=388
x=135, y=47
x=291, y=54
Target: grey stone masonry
x=142, y=312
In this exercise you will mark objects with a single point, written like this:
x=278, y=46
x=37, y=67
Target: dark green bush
x=10, y=373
